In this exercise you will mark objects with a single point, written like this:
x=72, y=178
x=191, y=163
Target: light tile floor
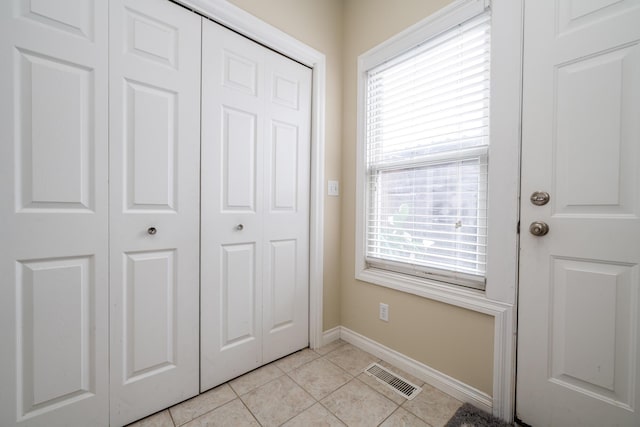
x=325, y=387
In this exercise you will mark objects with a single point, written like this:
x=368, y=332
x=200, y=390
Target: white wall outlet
x=384, y=312
x=333, y=188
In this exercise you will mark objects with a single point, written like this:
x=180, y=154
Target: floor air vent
x=398, y=384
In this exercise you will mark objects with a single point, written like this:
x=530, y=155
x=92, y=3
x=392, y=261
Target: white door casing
x=579, y=285
x=255, y=205
x=154, y=170
x=54, y=215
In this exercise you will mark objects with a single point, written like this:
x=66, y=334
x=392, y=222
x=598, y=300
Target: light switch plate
x=333, y=188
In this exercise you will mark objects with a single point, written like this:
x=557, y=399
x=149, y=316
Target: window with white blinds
x=426, y=144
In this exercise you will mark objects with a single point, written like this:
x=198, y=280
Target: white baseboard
x=331, y=335
x=433, y=377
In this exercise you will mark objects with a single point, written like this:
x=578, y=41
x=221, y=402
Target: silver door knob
x=540, y=198
x=539, y=228
x=239, y=227
x=152, y=230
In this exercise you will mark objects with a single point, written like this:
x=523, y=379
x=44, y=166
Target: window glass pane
x=430, y=216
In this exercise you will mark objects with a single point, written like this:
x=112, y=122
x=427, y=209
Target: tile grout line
x=251, y=412
x=228, y=383
x=284, y=373
x=206, y=412
x=317, y=401
x=171, y=416
x=353, y=377
x=261, y=385
x=389, y=416
x=397, y=405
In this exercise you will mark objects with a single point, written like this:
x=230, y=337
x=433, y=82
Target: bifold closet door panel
x=54, y=213
x=255, y=205
x=231, y=203
x=154, y=183
x=286, y=176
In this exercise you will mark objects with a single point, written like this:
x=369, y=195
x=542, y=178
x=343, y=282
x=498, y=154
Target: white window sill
x=471, y=299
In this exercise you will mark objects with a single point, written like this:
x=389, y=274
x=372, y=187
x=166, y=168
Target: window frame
x=503, y=179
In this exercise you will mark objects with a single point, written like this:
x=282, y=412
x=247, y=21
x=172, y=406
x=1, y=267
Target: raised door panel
x=56, y=318
x=285, y=90
x=284, y=166
x=239, y=150
x=151, y=147
x=151, y=39
x=149, y=338
x=54, y=215
x=282, y=278
x=594, y=142
x=238, y=289
x=239, y=72
x=592, y=324
x=575, y=16
x=76, y=17
x=56, y=161
x=154, y=222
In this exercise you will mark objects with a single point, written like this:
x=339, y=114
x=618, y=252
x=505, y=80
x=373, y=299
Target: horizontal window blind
x=427, y=138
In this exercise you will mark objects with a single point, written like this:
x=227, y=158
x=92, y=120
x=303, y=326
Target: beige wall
x=452, y=340
x=318, y=23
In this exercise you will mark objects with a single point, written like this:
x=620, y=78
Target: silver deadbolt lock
x=539, y=198
x=539, y=228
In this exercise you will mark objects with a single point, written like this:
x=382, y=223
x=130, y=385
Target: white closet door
x=232, y=198
x=285, y=226
x=154, y=170
x=255, y=205
x=53, y=214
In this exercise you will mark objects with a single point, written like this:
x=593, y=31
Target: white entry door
x=53, y=214
x=154, y=170
x=255, y=205
x=579, y=328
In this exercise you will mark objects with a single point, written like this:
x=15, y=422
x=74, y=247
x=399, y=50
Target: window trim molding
x=499, y=298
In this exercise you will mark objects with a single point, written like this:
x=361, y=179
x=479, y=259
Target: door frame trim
x=252, y=27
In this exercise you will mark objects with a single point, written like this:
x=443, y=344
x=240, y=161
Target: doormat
x=470, y=416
